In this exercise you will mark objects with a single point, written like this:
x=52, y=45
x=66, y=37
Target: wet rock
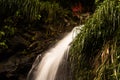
x=23, y=48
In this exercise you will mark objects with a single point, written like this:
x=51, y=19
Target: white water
x=48, y=66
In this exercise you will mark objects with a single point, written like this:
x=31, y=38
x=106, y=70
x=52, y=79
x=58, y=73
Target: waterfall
x=47, y=67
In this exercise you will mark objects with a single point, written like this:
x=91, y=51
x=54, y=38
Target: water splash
x=47, y=68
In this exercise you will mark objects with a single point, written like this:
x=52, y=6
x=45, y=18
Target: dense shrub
x=94, y=54
x=24, y=14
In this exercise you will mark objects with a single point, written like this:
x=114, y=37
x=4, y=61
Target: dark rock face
x=15, y=61
x=26, y=44
x=23, y=48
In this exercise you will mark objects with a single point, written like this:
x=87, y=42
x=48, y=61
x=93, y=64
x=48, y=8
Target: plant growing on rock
x=94, y=54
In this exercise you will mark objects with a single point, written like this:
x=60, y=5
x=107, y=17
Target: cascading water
x=47, y=68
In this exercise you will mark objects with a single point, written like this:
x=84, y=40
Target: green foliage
x=28, y=8
x=23, y=14
x=5, y=33
x=51, y=12
x=103, y=28
x=2, y=43
x=31, y=9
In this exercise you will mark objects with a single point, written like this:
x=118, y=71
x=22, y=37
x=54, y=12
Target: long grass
x=95, y=51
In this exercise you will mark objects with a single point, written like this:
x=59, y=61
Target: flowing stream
x=47, y=67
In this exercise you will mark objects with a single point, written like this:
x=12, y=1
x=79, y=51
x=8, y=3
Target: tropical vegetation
x=95, y=53
x=28, y=28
